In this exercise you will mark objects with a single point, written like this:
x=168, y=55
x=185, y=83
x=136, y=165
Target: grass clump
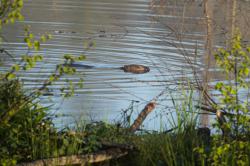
x=167, y=149
x=26, y=129
x=27, y=132
x=22, y=124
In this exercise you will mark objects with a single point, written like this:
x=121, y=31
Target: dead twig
x=213, y=110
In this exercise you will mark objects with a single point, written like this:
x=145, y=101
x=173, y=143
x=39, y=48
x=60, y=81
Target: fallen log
x=112, y=153
x=142, y=116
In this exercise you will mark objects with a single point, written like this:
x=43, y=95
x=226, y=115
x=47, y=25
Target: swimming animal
x=132, y=68
x=137, y=69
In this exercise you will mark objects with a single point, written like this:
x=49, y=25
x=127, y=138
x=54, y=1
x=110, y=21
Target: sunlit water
x=124, y=32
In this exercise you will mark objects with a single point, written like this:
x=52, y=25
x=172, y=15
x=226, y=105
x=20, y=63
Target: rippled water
x=124, y=32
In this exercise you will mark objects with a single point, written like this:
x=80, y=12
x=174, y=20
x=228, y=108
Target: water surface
x=123, y=32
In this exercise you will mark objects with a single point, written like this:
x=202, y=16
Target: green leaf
x=51, y=78
x=39, y=57
x=31, y=36
x=15, y=67
x=20, y=3
x=30, y=44
x=219, y=85
x=37, y=45
x=43, y=38
x=67, y=56
x=82, y=57
x=11, y=76
x=26, y=40
x=246, y=71
x=49, y=36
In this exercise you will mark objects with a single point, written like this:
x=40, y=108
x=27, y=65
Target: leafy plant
x=26, y=129
x=10, y=10
x=235, y=63
x=232, y=147
x=19, y=133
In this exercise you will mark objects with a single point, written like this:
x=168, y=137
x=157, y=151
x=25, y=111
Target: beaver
x=133, y=68
x=137, y=69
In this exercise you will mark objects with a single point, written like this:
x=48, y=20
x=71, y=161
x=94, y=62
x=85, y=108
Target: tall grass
x=173, y=148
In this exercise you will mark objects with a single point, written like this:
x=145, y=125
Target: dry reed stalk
x=234, y=8
x=208, y=12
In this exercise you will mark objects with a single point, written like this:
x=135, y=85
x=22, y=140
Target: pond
x=111, y=33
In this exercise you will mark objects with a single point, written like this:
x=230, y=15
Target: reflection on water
x=124, y=32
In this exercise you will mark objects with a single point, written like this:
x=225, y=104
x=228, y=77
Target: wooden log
x=142, y=116
x=87, y=159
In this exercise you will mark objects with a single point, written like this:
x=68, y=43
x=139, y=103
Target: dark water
x=123, y=32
